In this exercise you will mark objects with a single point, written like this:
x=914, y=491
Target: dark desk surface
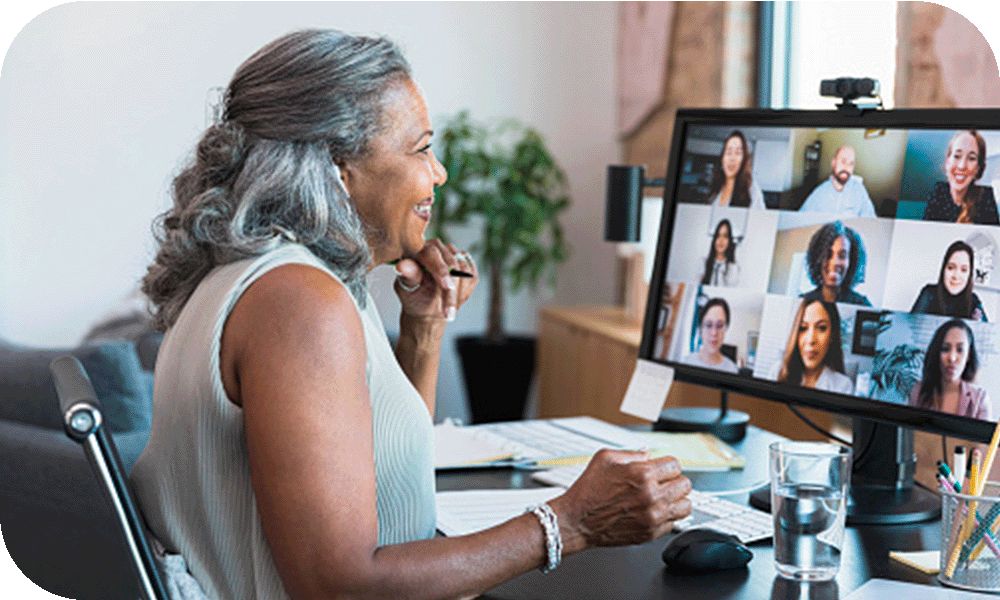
x=637, y=571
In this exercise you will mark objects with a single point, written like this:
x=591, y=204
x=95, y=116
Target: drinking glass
x=809, y=482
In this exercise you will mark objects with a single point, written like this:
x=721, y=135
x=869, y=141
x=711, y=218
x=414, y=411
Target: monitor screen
x=849, y=263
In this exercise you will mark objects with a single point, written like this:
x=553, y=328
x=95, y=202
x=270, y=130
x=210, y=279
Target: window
x=805, y=42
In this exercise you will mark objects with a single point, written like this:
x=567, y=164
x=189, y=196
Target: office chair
x=83, y=422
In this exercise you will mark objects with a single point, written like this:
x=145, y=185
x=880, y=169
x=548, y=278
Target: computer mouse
x=705, y=550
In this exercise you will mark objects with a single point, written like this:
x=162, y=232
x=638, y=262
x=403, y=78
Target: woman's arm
x=418, y=352
x=430, y=297
x=299, y=357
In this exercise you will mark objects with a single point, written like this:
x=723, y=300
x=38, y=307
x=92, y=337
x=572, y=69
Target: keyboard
x=707, y=511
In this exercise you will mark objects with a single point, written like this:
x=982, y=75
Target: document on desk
x=538, y=442
x=880, y=589
x=468, y=511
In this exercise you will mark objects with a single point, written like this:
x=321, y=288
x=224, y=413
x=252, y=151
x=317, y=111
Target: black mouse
x=705, y=550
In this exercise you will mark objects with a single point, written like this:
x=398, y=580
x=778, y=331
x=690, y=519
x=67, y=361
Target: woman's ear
x=343, y=173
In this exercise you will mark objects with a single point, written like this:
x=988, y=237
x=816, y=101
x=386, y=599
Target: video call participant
x=732, y=179
x=959, y=200
x=950, y=367
x=842, y=193
x=952, y=295
x=814, y=357
x=713, y=322
x=720, y=264
x=835, y=257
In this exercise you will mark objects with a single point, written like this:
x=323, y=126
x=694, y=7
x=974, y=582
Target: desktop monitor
x=846, y=259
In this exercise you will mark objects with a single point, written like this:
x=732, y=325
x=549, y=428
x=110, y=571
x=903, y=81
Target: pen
x=452, y=272
x=946, y=472
x=958, y=464
x=959, y=534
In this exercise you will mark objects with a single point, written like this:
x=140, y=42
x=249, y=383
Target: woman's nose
x=440, y=173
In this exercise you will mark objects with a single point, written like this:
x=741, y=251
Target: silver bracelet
x=553, y=540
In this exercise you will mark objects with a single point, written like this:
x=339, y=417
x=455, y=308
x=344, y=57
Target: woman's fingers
x=438, y=260
x=409, y=275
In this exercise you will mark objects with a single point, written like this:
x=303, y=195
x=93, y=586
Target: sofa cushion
x=125, y=390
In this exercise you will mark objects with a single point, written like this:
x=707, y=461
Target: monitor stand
x=883, y=491
x=727, y=425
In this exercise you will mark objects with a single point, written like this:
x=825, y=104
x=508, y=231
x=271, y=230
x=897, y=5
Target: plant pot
x=497, y=376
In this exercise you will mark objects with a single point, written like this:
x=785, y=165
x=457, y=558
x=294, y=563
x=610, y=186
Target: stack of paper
x=469, y=511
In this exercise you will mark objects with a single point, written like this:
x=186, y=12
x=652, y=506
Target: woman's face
x=837, y=263
x=954, y=355
x=956, y=272
x=722, y=240
x=732, y=157
x=814, y=336
x=962, y=163
x=393, y=186
x=713, y=330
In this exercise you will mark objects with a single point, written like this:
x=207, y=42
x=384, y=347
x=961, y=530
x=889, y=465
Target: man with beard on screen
x=843, y=193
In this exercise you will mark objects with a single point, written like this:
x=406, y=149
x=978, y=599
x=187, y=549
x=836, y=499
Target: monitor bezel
x=852, y=406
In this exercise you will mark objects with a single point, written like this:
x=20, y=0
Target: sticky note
x=647, y=391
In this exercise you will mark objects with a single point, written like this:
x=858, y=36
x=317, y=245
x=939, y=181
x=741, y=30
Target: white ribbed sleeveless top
x=193, y=479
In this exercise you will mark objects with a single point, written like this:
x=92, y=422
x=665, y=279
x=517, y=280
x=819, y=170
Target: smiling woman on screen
x=814, y=357
x=952, y=295
x=835, y=261
x=959, y=199
x=291, y=450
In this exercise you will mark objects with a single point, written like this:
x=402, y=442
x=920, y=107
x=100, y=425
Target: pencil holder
x=970, y=539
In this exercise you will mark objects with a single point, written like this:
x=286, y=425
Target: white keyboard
x=707, y=511
x=711, y=512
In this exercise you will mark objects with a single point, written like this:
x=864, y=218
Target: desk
x=637, y=571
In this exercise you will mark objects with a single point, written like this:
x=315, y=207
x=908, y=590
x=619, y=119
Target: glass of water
x=809, y=483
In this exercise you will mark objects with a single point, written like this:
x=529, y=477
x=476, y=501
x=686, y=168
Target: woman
x=814, y=357
x=713, y=322
x=950, y=367
x=959, y=200
x=732, y=180
x=836, y=260
x=952, y=295
x=291, y=451
x=720, y=263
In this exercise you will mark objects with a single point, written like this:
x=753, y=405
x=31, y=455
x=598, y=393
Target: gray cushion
x=28, y=395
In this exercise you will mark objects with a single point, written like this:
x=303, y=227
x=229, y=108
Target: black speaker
x=623, y=204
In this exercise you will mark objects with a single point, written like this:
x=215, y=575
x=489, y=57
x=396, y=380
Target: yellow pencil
x=970, y=517
x=984, y=477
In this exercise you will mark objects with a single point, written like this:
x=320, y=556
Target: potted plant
x=505, y=177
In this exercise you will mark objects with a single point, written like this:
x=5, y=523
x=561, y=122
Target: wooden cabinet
x=585, y=358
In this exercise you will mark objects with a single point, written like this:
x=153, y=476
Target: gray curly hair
x=266, y=172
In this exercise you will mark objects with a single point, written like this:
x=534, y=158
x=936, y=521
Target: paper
x=695, y=451
x=926, y=561
x=457, y=447
x=647, y=391
x=469, y=511
x=880, y=589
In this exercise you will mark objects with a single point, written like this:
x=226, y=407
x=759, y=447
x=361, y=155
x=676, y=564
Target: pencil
x=991, y=453
x=985, y=475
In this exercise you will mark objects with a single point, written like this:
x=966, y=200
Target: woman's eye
x=425, y=149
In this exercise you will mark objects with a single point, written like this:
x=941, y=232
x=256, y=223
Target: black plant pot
x=497, y=376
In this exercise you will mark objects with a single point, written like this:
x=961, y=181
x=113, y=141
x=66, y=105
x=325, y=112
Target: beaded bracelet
x=553, y=540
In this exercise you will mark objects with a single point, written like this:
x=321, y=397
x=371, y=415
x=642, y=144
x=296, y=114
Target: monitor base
x=727, y=425
x=871, y=505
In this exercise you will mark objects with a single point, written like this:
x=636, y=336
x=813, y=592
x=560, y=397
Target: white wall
x=99, y=103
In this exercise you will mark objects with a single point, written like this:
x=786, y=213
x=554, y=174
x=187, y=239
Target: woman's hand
x=622, y=498
x=424, y=285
